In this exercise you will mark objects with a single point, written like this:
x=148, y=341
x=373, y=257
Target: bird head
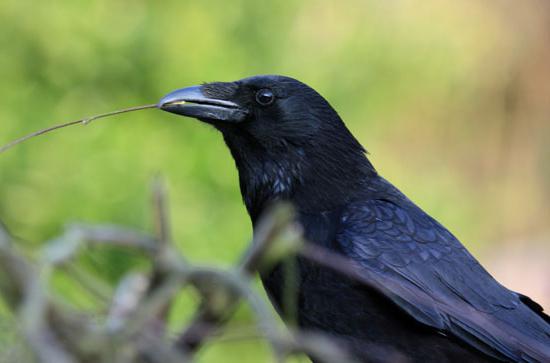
x=286, y=139
x=272, y=110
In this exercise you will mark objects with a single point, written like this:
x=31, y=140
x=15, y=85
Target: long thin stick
x=83, y=121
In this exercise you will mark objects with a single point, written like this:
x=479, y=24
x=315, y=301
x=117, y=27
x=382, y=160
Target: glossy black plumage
x=435, y=302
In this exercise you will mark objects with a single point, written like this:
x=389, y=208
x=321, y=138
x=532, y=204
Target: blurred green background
x=451, y=98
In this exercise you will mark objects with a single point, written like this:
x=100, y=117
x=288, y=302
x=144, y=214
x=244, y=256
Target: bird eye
x=265, y=97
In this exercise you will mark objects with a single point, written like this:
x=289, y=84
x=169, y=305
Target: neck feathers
x=313, y=178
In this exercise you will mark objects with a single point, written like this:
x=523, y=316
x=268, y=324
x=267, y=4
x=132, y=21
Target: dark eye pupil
x=264, y=97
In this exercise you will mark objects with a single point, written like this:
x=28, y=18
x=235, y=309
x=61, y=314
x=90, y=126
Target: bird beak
x=191, y=102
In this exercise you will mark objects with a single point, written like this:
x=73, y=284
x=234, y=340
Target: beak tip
x=166, y=100
x=179, y=96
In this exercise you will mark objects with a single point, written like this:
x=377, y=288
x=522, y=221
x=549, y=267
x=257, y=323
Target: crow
x=436, y=303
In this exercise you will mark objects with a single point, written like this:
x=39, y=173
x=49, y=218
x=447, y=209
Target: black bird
x=435, y=303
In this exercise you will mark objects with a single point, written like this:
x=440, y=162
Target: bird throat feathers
x=314, y=177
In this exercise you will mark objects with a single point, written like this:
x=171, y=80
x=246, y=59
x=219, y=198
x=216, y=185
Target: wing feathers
x=429, y=274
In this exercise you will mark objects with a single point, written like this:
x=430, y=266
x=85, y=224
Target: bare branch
x=84, y=121
x=274, y=228
x=134, y=328
x=76, y=236
x=160, y=211
x=126, y=300
x=15, y=272
x=33, y=316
